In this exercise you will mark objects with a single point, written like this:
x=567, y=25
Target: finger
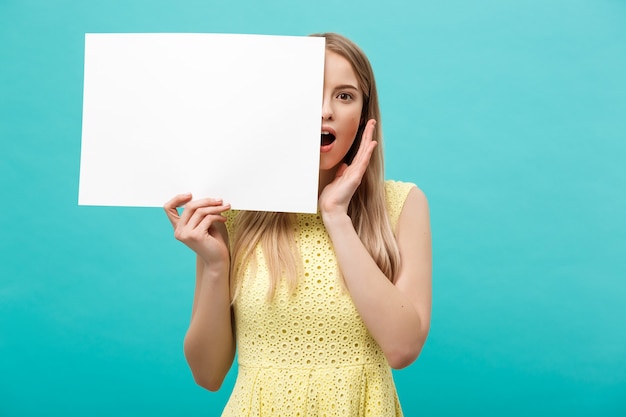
x=362, y=162
x=172, y=204
x=203, y=202
x=177, y=201
x=201, y=232
x=368, y=132
x=202, y=212
x=192, y=206
x=366, y=139
x=208, y=221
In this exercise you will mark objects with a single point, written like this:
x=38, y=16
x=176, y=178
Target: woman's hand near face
x=201, y=227
x=336, y=196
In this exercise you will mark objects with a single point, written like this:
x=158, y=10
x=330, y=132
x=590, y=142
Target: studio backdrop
x=510, y=115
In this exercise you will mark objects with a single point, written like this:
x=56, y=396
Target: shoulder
x=400, y=194
x=414, y=217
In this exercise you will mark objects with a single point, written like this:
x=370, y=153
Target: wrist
x=215, y=270
x=336, y=220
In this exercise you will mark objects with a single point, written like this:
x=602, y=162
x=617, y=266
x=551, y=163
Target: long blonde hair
x=367, y=210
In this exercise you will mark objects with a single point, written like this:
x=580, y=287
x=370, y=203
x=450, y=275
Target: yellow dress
x=309, y=353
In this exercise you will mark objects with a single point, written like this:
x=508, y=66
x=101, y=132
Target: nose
x=327, y=109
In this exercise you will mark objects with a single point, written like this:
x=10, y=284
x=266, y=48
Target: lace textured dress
x=309, y=353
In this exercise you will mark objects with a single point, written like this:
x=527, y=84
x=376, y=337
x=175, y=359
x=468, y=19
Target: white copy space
x=230, y=116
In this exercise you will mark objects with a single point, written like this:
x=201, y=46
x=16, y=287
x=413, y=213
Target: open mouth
x=327, y=138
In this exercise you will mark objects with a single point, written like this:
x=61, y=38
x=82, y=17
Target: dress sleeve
x=396, y=193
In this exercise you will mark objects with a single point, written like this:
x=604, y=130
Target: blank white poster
x=219, y=115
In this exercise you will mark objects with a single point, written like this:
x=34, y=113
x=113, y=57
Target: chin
x=329, y=165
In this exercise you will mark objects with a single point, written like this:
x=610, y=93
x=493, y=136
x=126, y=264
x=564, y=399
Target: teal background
x=510, y=115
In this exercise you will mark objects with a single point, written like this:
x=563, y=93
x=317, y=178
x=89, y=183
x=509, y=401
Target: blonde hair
x=274, y=232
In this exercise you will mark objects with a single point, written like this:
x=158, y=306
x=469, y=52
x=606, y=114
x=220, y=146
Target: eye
x=344, y=96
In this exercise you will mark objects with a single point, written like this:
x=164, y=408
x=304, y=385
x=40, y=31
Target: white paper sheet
x=230, y=116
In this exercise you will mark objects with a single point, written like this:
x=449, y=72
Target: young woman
x=321, y=306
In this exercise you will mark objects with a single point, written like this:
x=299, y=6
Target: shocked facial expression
x=341, y=110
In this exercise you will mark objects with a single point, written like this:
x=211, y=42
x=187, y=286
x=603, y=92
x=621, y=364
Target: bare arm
x=397, y=316
x=209, y=343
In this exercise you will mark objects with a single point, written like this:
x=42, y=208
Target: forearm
x=209, y=343
x=387, y=312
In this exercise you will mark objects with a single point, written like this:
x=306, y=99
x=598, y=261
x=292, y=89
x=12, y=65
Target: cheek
x=354, y=125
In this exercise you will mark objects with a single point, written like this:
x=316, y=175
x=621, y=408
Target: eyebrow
x=346, y=86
